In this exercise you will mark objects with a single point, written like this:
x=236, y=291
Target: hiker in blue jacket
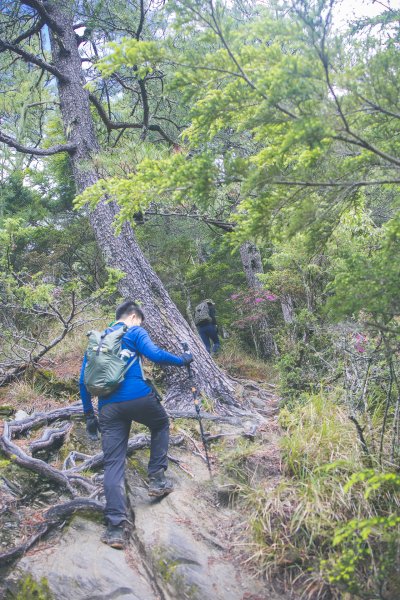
x=133, y=400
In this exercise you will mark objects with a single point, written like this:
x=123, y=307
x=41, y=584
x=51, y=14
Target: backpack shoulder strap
x=136, y=357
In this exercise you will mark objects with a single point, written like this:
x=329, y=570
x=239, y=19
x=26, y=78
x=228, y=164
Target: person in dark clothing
x=133, y=400
x=207, y=327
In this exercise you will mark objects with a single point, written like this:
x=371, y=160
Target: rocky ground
x=192, y=544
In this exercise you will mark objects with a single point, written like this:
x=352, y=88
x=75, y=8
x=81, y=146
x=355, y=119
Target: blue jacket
x=134, y=386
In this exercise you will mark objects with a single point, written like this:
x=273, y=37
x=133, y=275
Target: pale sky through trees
x=347, y=10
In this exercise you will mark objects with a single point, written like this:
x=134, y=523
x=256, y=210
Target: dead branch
x=198, y=451
x=32, y=58
x=51, y=518
x=180, y=464
x=364, y=445
x=110, y=125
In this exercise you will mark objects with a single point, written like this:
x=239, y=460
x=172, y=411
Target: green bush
x=30, y=589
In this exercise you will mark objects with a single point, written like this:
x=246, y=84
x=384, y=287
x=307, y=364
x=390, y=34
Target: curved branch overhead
x=32, y=58
x=13, y=143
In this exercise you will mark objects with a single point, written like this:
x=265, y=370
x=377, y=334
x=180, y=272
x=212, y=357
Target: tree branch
x=141, y=20
x=27, y=34
x=335, y=183
x=41, y=10
x=146, y=108
x=125, y=124
x=217, y=29
x=29, y=57
x=225, y=225
x=13, y=143
x=379, y=108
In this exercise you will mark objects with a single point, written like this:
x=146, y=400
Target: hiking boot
x=114, y=536
x=159, y=485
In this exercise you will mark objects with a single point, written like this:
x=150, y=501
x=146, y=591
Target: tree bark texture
x=163, y=320
x=287, y=308
x=252, y=266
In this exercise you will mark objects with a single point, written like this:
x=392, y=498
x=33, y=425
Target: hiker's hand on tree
x=187, y=358
x=92, y=427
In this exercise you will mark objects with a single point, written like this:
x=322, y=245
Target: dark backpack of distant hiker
x=202, y=314
x=106, y=362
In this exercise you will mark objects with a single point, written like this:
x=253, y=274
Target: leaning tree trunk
x=252, y=266
x=163, y=320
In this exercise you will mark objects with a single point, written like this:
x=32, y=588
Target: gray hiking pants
x=115, y=423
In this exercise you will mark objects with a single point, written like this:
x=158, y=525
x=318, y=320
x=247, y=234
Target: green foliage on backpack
x=105, y=368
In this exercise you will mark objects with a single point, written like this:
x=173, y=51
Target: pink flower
x=360, y=341
x=234, y=296
x=259, y=300
x=271, y=297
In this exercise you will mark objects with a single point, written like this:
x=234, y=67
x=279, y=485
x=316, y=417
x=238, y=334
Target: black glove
x=92, y=426
x=187, y=358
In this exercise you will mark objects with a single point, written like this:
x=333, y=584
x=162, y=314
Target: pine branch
x=13, y=143
x=225, y=225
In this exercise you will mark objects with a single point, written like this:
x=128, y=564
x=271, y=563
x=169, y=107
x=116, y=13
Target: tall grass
x=334, y=533
x=239, y=362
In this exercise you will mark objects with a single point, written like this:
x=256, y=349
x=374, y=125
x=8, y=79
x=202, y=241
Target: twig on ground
x=180, y=464
x=198, y=451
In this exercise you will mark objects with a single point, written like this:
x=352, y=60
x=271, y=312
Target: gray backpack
x=106, y=363
x=202, y=313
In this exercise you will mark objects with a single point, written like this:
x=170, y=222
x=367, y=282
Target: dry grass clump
x=28, y=396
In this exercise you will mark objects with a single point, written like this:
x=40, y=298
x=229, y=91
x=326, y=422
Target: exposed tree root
x=21, y=458
x=40, y=419
x=70, y=477
x=51, y=517
x=231, y=420
x=93, y=462
x=51, y=437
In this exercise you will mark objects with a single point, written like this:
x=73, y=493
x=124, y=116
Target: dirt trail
x=186, y=546
x=181, y=548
